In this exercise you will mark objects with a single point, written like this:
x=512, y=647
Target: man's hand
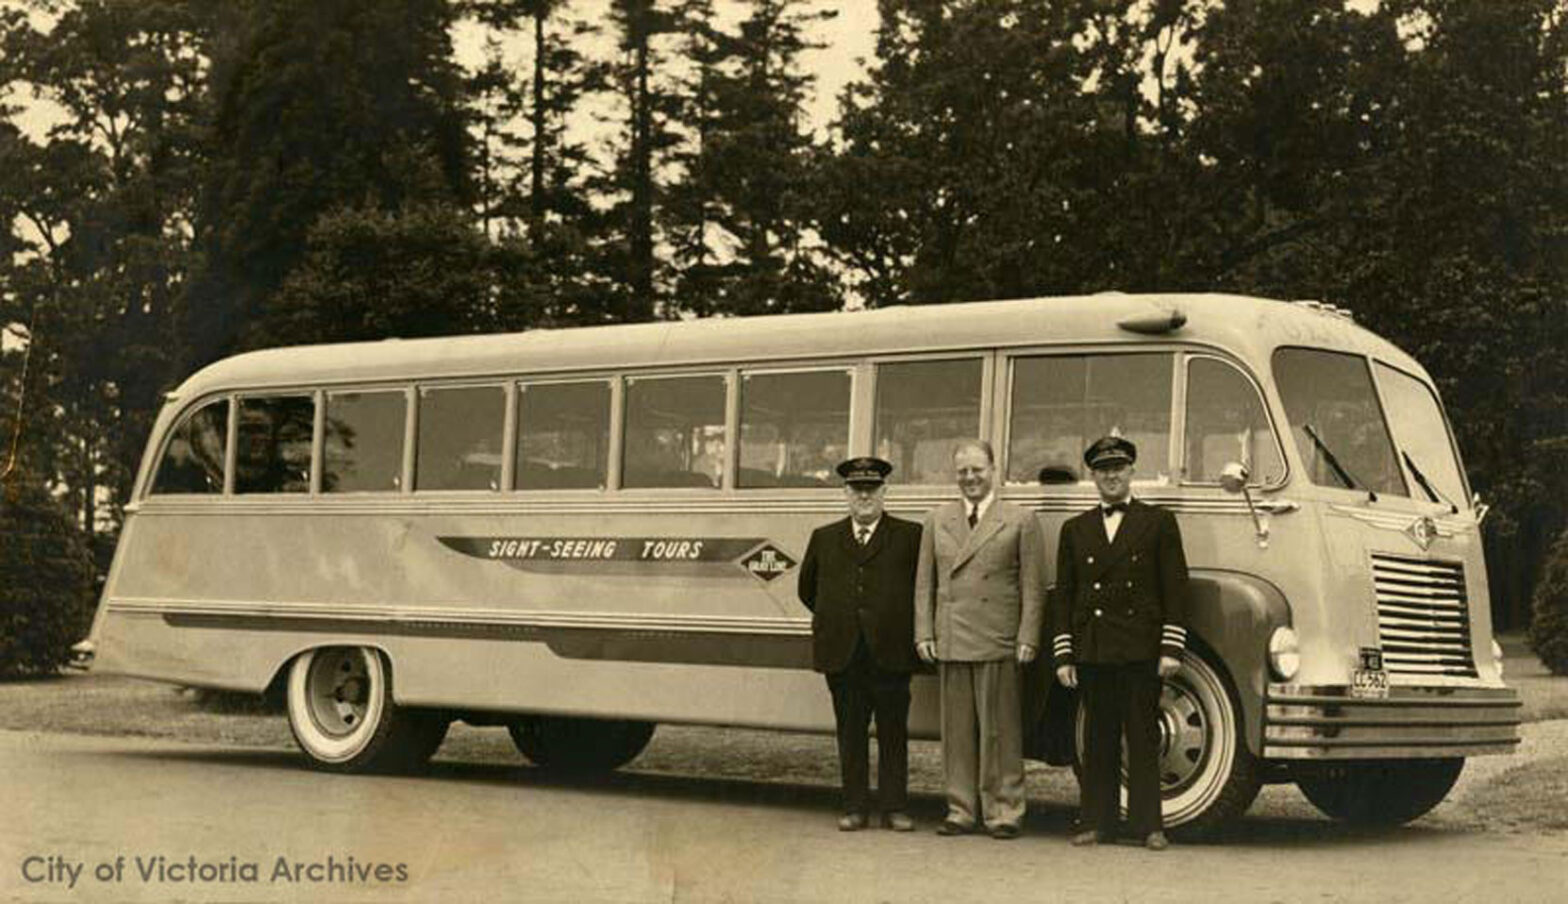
x=927, y=650
x=1169, y=665
x=1067, y=675
x=1026, y=653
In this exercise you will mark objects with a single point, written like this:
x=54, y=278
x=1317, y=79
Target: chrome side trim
x=371, y=615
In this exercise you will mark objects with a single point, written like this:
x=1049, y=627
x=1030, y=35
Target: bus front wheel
x=1207, y=776
x=342, y=714
x=580, y=745
x=1386, y=793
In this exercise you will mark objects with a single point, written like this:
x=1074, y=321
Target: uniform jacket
x=853, y=589
x=1123, y=601
x=979, y=593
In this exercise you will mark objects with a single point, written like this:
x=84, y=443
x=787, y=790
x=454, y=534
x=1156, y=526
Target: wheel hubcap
x=339, y=691
x=1185, y=737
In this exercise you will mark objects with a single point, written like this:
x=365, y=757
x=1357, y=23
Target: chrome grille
x=1423, y=616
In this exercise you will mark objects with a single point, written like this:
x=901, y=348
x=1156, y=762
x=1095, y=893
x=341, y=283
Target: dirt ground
x=1527, y=792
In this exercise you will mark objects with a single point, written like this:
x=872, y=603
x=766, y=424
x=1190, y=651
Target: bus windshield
x=1421, y=432
x=1336, y=421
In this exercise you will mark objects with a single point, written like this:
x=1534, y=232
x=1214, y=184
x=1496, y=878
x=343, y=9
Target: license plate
x=1369, y=683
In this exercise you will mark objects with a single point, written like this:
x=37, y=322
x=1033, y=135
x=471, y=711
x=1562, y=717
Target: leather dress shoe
x=1005, y=831
x=1086, y=838
x=898, y=821
x=949, y=827
x=851, y=822
x=1156, y=841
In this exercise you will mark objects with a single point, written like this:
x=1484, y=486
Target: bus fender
x=1230, y=616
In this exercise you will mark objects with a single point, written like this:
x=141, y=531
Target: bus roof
x=1250, y=328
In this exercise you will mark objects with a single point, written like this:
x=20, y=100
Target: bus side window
x=273, y=453
x=1226, y=422
x=924, y=409
x=364, y=442
x=459, y=445
x=1062, y=403
x=794, y=428
x=193, y=460
x=674, y=432
x=563, y=435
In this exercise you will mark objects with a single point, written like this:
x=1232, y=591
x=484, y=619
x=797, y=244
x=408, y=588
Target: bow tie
x=1111, y=508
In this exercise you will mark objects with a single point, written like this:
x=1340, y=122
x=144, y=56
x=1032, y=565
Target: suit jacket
x=855, y=590
x=979, y=593
x=1121, y=601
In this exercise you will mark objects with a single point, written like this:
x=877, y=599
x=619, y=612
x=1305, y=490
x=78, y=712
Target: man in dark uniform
x=858, y=579
x=1118, y=628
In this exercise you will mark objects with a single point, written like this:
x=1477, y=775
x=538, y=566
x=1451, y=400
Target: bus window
x=193, y=460
x=1226, y=422
x=1062, y=403
x=924, y=410
x=273, y=449
x=794, y=428
x=1421, y=432
x=674, y=432
x=459, y=444
x=363, y=450
x=1331, y=393
x=563, y=435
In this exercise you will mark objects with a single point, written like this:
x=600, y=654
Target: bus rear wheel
x=342, y=714
x=1387, y=793
x=1208, y=778
x=578, y=745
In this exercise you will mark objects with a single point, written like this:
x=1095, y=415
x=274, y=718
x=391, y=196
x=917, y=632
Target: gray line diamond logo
x=767, y=562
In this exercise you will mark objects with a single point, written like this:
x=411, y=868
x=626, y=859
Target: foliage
x=740, y=217
x=533, y=169
x=317, y=105
x=45, y=579
x=1549, y=617
x=228, y=175
x=426, y=271
x=105, y=197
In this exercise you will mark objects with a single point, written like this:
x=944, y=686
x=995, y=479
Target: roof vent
x=1155, y=324
x=1325, y=307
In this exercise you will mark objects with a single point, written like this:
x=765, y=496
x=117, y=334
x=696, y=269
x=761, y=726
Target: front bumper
x=1327, y=723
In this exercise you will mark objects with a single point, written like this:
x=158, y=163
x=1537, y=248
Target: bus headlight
x=1284, y=653
x=1497, y=657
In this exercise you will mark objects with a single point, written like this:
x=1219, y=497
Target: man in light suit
x=1118, y=627
x=979, y=603
x=858, y=580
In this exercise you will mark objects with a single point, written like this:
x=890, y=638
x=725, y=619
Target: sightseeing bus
x=580, y=533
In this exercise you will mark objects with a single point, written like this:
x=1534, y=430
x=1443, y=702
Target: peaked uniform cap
x=865, y=469
x=1108, y=451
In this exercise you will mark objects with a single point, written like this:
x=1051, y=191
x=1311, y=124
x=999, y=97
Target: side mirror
x=1233, y=477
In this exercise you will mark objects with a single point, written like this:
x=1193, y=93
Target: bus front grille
x=1423, y=617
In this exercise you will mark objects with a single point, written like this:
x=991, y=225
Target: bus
x=581, y=533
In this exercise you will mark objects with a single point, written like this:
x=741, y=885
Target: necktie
x=862, y=534
x=974, y=516
x=1111, y=508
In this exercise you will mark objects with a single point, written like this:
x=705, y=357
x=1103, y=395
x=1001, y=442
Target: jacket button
x=1129, y=583
x=1097, y=613
x=1097, y=585
x=1091, y=560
